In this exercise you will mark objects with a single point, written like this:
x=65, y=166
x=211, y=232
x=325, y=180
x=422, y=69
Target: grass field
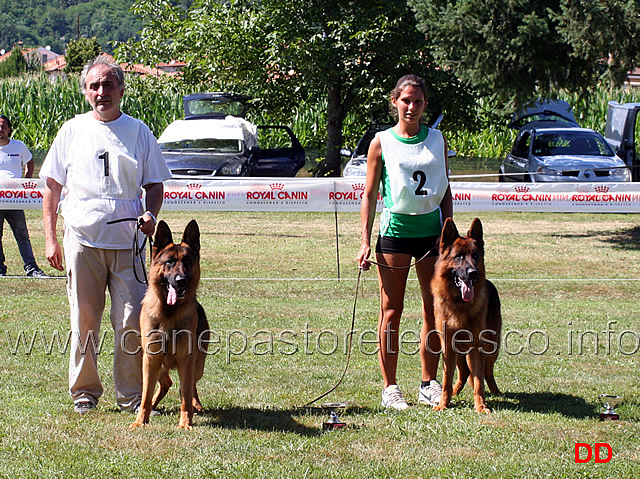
x=569, y=285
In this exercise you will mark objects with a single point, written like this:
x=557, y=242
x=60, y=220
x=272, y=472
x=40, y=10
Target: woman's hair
x=404, y=82
x=408, y=80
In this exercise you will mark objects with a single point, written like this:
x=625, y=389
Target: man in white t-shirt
x=105, y=159
x=16, y=161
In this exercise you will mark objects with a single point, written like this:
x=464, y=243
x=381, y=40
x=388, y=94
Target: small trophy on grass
x=609, y=402
x=334, y=423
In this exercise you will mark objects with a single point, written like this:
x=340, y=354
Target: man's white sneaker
x=392, y=398
x=430, y=394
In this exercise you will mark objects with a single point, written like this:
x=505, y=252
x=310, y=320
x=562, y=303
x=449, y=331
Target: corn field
x=38, y=107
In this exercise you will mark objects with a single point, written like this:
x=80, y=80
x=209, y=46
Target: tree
x=13, y=66
x=79, y=52
x=515, y=50
x=348, y=51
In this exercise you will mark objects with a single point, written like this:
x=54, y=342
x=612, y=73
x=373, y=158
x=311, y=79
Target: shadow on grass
x=625, y=239
x=264, y=419
x=545, y=403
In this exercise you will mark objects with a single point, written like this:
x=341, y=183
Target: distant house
x=633, y=78
x=37, y=56
x=55, y=68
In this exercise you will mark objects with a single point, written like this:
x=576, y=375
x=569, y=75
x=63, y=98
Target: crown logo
x=358, y=186
x=522, y=189
x=602, y=189
x=583, y=188
x=194, y=186
x=277, y=186
x=29, y=185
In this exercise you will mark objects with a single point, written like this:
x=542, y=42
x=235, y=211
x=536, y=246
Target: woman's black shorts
x=416, y=247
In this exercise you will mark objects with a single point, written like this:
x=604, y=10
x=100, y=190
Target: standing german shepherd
x=173, y=325
x=467, y=313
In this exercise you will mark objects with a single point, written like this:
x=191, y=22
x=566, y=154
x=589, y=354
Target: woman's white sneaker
x=392, y=398
x=430, y=394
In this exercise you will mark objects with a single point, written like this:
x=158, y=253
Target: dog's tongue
x=466, y=289
x=172, y=296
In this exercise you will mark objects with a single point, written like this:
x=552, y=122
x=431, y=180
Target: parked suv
x=215, y=140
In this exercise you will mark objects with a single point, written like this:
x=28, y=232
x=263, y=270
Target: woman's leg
x=392, y=284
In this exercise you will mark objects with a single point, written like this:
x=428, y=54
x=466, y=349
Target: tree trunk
x=330, y=165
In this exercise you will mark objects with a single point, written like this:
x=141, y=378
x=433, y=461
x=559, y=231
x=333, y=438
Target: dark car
x=214, y=140
x=622, y=122
x=551, y=147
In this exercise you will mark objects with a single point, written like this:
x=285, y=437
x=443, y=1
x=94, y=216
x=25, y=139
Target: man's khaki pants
x=90, y=271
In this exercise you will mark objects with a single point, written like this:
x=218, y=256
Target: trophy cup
x=334, y=423
x=609, y=402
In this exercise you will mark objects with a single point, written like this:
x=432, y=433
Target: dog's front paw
x=135, y=425
x=440, y=407
x=186, y=427
x=483, y=410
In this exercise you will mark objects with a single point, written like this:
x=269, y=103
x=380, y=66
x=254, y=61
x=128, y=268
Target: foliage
x=515, y=51
x=56, y=22
x=13, y=66
x=284, y=53
x=79, y=52
x=39, y=107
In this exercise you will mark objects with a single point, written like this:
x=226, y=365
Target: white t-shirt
x=104, y=166
x=13, y=157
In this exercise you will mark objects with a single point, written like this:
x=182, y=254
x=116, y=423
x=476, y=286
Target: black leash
x=137, y=250
x=353, y=320
x=351, y=332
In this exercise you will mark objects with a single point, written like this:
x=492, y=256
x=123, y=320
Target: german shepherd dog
x=173, y=324
x=467, y=313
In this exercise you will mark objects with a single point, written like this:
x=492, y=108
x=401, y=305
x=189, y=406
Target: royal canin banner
x=345, y=194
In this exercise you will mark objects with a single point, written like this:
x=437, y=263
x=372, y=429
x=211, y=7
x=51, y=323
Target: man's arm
x=53, y=251
x=154, y=199
x=28, y=168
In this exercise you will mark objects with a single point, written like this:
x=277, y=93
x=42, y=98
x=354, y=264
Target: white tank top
x=414, y=179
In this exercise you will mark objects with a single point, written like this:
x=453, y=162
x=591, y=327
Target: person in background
x=409, y=161
x=105, y=158
x=16, y=161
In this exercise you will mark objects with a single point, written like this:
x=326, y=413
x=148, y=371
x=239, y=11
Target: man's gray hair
x=101, y=60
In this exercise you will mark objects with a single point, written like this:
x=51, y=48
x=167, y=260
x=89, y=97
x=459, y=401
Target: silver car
x=553, y=148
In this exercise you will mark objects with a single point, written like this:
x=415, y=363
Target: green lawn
x=569, y=285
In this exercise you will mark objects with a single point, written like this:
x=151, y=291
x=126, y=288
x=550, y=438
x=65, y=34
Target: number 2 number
x=421, y=178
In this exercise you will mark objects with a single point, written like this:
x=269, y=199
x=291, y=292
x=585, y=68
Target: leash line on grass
x=346, y=280
x=351, y=332
x=524, y=280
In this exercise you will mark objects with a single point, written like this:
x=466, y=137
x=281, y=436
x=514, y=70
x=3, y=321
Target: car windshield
x=570, y=143
x=212, y=104
x=208, y=144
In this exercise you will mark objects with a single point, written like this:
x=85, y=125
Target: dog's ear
x=191, y=236
x=163, y=238
x=449, y=234
x=475, y=232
